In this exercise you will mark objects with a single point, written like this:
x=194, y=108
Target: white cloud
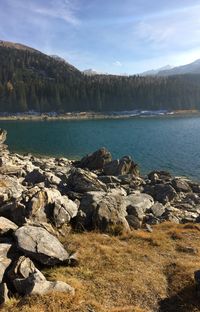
x=61, y=9
x=176, y=31
x=117, y=63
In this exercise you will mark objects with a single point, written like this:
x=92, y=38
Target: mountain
x=192, y=68
x=153, y=72
x=18, y=46
x=32, y=80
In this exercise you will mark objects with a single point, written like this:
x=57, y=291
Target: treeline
x=35, y=81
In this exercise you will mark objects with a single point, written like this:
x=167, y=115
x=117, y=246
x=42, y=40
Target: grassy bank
x=137, y=272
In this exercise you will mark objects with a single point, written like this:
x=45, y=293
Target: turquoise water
x=154, y=143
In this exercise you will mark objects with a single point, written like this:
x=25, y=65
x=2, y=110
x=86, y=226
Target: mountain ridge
x=44, y=83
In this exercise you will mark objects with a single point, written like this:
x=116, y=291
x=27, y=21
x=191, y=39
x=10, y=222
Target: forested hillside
x=30, y=80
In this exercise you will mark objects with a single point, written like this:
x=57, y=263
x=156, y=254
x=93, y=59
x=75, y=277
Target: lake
x=165, y=143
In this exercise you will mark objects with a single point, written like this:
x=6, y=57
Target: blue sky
x=115, y=36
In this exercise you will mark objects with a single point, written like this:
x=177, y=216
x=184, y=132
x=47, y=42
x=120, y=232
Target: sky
x=113, y=36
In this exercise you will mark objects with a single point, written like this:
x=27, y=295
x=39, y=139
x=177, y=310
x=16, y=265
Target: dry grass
x=135, y=272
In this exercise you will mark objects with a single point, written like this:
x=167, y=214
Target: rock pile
x=42, y=198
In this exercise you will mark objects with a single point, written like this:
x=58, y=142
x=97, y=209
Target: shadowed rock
x=84, y=181
x=96, y=160
x=4, y=260
x=121, y=167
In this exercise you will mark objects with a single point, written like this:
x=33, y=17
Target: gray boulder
x=48, y=204
x=64, y=210
x=121, y=167
x=34, y=284
x=110, y=214
x=103, y=211
x=181, y=185
x=40, y=245
x=96, y=160
x=22, y=268
x=138, y=203
x=164, y=193
x=84, y=181
x=157, y=209
x=27, y=279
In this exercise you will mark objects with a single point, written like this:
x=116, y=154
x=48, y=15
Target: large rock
x=110, y=213
x=64, y=210
x=138, y=203
x=96, y=160
x=181, y=185
x=22, y=268
x=27, y=279
x=48, y=204
x=40, y=245
x=7, y=226
x=134, y=222
x=164, y=193
x=34, y=284
x=84, y=181
x=158, y=209
x=121, y=167
x=4, y=260
x=102, y=211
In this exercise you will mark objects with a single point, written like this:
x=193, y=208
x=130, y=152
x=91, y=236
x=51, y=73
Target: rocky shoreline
x=43, y=199
x=52, y=116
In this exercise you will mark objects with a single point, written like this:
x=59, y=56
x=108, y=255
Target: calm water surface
x=155, y=143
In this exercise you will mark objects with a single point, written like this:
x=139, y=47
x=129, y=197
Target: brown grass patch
x=134, y=272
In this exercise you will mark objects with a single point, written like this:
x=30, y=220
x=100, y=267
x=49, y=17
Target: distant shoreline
x=96, y=115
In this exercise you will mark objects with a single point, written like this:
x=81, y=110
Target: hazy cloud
x=60, y=9
x=117, y=63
